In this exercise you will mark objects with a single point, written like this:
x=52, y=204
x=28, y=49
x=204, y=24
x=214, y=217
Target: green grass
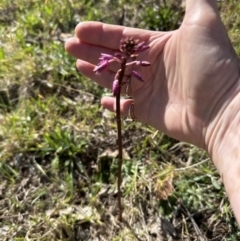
x=58, y=146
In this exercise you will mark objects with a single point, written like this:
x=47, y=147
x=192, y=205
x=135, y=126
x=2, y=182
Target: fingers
x=85, y=51
x=110, y=104
x=106, y=35
x=94, y=38
x=106, y=78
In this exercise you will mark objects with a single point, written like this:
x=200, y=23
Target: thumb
x=202, y=22
x=201, y=11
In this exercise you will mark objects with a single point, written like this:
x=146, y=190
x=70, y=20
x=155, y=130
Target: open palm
x=191, y=89
x=180, y=95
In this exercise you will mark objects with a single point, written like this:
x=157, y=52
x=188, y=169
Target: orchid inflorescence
x=129, y=49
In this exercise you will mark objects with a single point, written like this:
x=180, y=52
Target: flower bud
x=143, y=63
x=140, y=47
x=115, y=87
x=137, y=75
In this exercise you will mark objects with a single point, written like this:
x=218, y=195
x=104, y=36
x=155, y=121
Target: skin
x=191, y=90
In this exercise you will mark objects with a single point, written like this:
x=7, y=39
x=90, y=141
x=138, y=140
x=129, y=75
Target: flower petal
x=137, y=75
x=143, y=63
x=141, y=47
x=106, y=57
x=101, y=66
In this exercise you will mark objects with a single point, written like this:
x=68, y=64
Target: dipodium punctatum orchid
x=129, y=50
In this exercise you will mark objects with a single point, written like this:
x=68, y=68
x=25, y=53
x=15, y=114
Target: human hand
x=191, y=89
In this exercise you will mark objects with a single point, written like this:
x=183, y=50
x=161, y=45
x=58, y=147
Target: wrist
x=224, y=150
x=226, y=158
x=224, y=141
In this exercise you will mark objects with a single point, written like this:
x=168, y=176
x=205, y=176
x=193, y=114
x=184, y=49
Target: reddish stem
x=119, y=130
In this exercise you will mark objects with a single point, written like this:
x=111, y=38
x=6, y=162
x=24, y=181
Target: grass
x=58, y=146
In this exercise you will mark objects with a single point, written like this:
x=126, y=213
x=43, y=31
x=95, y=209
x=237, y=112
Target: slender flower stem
x=129, y=49
x=119, y=130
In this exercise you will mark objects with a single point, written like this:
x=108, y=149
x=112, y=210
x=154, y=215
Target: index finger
x=107, y=35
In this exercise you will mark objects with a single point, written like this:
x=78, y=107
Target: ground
x=58, y=159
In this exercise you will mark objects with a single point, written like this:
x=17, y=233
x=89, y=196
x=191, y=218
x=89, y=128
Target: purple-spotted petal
x=101, y=66
x=137, y=75
x=115, y=87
